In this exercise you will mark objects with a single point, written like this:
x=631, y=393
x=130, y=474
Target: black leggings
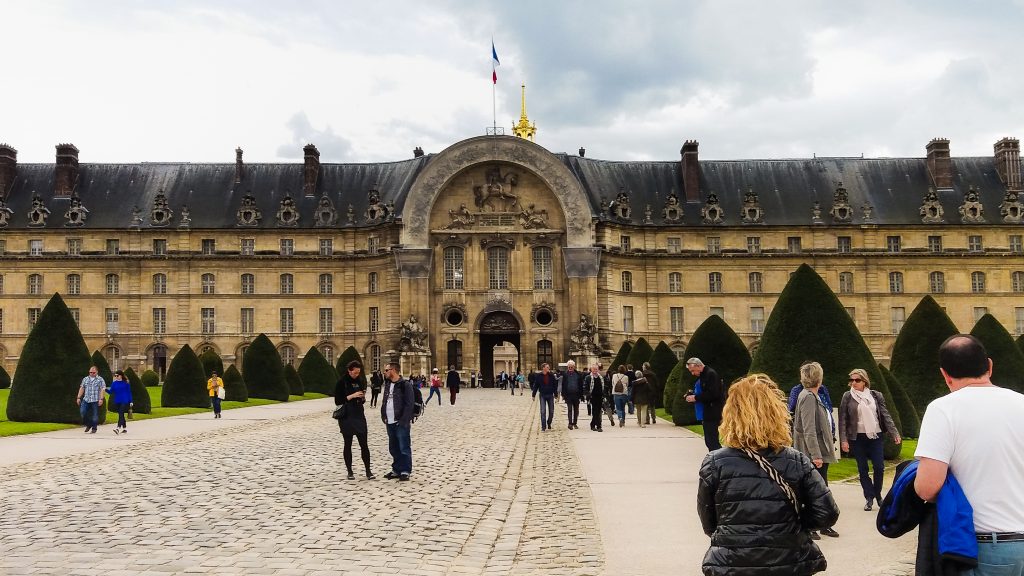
x=364, y=450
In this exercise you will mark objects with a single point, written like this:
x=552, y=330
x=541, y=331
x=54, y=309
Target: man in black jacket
x=572, y=390
x=452, y=381
x=711, y=395
x=396, y=412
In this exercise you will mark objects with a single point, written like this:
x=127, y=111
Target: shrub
x=718, y=346
x=102, y=368
x=317, y=374
x=908, y=414
x=890, y=450
x=140, y=397
x=263, y=371
x=185, y=384
x=295, y=387
x=347, y=356
x=662, y=362
x=915, y=356
x=808, y=323
x=640, y=352
x=681, y=416
x=620, y=357
x=150, y=378
x=234, y=386
x=50, y=370
x=211, y=363
x=1020, y=342
x=1007, y=359
x=5, y=379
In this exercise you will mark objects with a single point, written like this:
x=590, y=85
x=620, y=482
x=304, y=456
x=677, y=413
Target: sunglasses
x=856, y=380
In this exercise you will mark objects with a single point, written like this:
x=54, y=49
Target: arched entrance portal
x=496, y=329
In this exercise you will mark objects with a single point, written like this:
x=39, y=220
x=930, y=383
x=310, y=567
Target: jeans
x=434, y=390
x=711, y=435
x=216, y=404
x=865, y=449
x=999, y=559
x=121, y=409
x=620, y=406
x=400, y=446
x=90, y=414
x=573, y=410
x=547, y=411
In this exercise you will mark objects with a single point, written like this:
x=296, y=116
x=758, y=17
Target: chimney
x=417, y=152
x=66, y=170
x=691, y=171
x=311, y=172
x=8, y=169
x=239, y=166
x=940, y=166
x=1007, y=152
x=583, y=152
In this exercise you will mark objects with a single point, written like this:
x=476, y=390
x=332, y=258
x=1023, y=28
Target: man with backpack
x=397, y=411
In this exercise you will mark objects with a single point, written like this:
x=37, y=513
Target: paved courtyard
x=263, y=491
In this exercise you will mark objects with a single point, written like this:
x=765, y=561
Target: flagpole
x=494, y=109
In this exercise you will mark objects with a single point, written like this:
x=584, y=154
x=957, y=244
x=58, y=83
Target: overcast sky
x=183, y=80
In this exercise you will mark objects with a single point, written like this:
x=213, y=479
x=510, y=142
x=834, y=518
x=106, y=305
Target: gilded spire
x=524, y=129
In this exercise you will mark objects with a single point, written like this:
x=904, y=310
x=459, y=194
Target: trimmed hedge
x=662, y=362
x=234, y=385
x=1020, y=342
x=211, y=363
x=150, y=378
x=718, y=346
x=5, y=379
x=263, y=371
x=347, y=356
x=915, y=356
x=640, y=352
x=316, y=373
x=50, y=370
x=185, y=385
x=672, y=384
x=1007, y=359
x=908, y=414
x=620, y=357
x=295, y=387
x=890, y=450
x=140, y=397
x=102, y=367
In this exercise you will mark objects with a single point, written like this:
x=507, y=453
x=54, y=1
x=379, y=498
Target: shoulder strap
x=775, y=476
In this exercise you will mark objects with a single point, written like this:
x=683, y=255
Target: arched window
x=328, y=353
x=977, y=282
x=675, y=282
x=896, y=282
x=35, y=284
x=453, y=267
x=755, y=282
x=1016, y=281
x=497, y=268
x=846, y=282
x=287, y=284
x=545, y=354
x=627, y=281
x=248, y=284
x=288, y=355
x=326, y=283
x=209, y=284
x=74, y=284
x=159, y=283
x=543, y=277
x=372, y=283
x=113, y=283
x=936, y=282
x=715, y=282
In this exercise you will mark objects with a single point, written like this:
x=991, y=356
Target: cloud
x=332, y=147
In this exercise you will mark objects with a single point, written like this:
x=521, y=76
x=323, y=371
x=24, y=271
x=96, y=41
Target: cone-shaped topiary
x=347, y=356
x=263, y=371
x=809, y=323
x=662, y=362
x=890, y=450
x=185, y=385
x=295, y=387
x=1007, y=359
x=316, y=373
x=718, y=346
x=915, y=356
x=234, y=386
x=150, y=378
x=682, y=416
x=140, y=397
x=5, y=379
x=50, y=370
x=620, y=357
x=908, y=414
x=1020, y=342
x=640, y=352
x=211, y=363
x=102, y=367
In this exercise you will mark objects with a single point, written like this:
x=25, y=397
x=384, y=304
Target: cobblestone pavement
x=489, y=495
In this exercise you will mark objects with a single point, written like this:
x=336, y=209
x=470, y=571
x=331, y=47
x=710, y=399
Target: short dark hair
x=963, y=356
x=354, y=364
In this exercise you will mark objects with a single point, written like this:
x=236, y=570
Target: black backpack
x=418, y=406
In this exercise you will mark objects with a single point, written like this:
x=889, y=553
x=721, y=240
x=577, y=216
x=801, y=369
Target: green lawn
x=8, y=428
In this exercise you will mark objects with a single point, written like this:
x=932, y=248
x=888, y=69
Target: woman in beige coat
x=812, y=426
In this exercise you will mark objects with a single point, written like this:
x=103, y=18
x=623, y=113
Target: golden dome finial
x=524, y=129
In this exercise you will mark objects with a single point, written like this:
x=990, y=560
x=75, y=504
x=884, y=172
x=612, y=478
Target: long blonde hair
x=755, y=415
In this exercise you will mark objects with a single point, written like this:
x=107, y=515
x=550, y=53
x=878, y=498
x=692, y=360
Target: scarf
x=867, y=413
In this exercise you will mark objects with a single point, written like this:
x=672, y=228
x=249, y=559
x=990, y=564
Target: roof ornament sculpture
x=325, y=214
x=672, y=211
x=351, y=214
x=161, y=213
x=711, y=212
x=5, y=213
x=1011, y=209
x=605, y=205
x=816, y=213
x=77, y=213
x=249, y=214
x=972, y=211
x=376, y=211
x=39, y=213
x=620, y=207
x=288, y=214
x=931, y=209
x=751, y=213
x=136, y=218
x=186, y=217
x=867, y=213
x=841, y=211
x=647, y=214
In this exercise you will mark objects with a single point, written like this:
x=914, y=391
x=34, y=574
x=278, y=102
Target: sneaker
x=370, y=476
x=93, y=431
x=814, y=535
x=403, y=477
x=391, y=475
x=830, y=533
x=867, y=506
x=117, y=430
x=88, y=429
x=351, y=476
x=124, y=430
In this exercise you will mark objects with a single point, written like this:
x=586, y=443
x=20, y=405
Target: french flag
x=494, y=64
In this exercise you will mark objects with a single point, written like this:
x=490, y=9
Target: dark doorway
x=496, y=328
x=160, y=360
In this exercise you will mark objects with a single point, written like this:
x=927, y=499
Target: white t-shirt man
x=978, y=432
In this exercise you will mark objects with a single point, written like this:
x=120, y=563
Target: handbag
x=221, y=393
x=775, y=476
x=339, y=412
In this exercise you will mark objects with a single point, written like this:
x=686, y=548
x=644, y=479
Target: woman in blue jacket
x=120, y=392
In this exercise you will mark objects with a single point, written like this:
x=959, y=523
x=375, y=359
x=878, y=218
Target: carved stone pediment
x=931, y=209
x=325, y=214
x=712, y=212
x=540, y=240
x=248, y=214
x=76, y=214
x=5, y=213
x=673, y=211
x=452, y=240
x=288, y=214
x=501, y=322
x=1011, y=209
x=497, y=240
x=161, y=214
x=972, y=211
x=841, y=211
x=751, y=213
x=39, y=213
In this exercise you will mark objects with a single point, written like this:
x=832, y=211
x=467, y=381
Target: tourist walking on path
x=120, y=394
x=631, y=374
x=215, y=386
x=544, y=383
x=594, y=386
x=573, y=389
x=812, y=426
x=641, y=397
x=90, y=399
x=974, y=433
x=520, y=381
x=757, y=498
x=708, y=396
x=453, y=381
x=351, y=392
x=652, y=385
x=435, y=386
x=620, y=394
x=396, y=412
x=863, y=423
x=376, y=382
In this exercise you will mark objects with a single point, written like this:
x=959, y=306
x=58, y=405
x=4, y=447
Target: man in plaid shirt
x=90, y=398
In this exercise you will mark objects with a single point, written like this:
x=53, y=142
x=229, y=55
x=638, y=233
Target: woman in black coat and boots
x=351, y=392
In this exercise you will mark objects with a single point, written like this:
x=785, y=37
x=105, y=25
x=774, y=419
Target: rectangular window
x=545, y=353
x=74, y=246
x=76, y=314
x=159, y=247
x=326, y=247
x=1016, y=244
x=113, y=247
x=159, y=320
x=625, y=243
x=675, y=245
x=893, y=244
x=979, y=311
x=208, y=318
x=898, y=315
x=794, y=243
x=1018, y=317
x=287, y=320
x=372, y=245
x=248, y=320
x=248, y=284
x=248, y=247
x=3, y=247
x=374, y=318
x=327, y=284
x=455, y=354
x=627, y=318
x=844, y=244
x=974, y=244
x=497, y=268
x=852, y=312
x=208, y=247
x=756, y=319
x=74, y=284
x=35, y=247
x=714, y=244
x=753, y=244
x=2, y=320
x=717, y=311
x=935, y=244
x=113, y=318
x=453, y=263
x=675, y=316
x=846, y=282
x=543, y=277
x=372, y=283
x=326, y=320
x=287, y=247
x=33, y=317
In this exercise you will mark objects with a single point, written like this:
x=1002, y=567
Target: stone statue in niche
x=841, y=210
x=186, y=217
x=351, y=214
x=161, y=213
x=1011, y=209
x=672, y=211
x=931, y=209
x=582, y=338
x=325, y=214
x=971, y=211
x=375, y=210
x=816, y=213
x=868, y=213
x=751, y=213
x=136, y=217
x=647, y=214
x=498, y=189
x=531, y=218
x=39, y=213
x=620, y=207
x=413, y=337
x=605, y=206
x=712, y=212
x=287, y=214
x=249, y=214
x=76, y=213
x=461, y=218
x=5, y=213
